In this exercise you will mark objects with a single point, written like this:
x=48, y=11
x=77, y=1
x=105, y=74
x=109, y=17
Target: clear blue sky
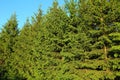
x=23, y=8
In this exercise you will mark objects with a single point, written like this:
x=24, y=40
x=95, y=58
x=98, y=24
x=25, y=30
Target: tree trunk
x=105, y=56
x=105, y=52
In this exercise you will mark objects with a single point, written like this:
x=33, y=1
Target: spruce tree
x=8, y=35
x=98, y=16
x=7, y=42
x=79, y=41
x=56, y=26
x=76, y=40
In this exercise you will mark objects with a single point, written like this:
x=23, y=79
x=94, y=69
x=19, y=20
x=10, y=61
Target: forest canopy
x=80, y=41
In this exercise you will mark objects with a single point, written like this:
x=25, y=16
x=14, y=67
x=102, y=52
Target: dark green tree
x=98, y=17
x=8, y=34
x=7, y=41
x=56, y=21
x=75, y=39
x=78, y=41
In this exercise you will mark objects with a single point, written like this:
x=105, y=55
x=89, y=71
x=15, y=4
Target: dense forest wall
x=80, y=41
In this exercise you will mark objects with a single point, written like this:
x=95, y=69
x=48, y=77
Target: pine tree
x=98, y=16
x=7, y=41
x=38, y=30
x=8, y=34
x=23, y=39
x=75, y=40
x=56, y=26
x=28, y=49
x=79, y=41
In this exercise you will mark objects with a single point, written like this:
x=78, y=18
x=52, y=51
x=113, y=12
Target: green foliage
x=114, y=51
x=8, y=35
x=80, y=41
x=115, y=37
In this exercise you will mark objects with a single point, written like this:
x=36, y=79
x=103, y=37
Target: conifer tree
x=75, y=38
x=7, y=41
x=28, y=49
x=38, y=31
x=98, y=16
x=8, y=34
x=23, y=39
x=80, y=41
x=56, y=26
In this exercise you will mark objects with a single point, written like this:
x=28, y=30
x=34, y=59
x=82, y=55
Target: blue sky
x=23, y=9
